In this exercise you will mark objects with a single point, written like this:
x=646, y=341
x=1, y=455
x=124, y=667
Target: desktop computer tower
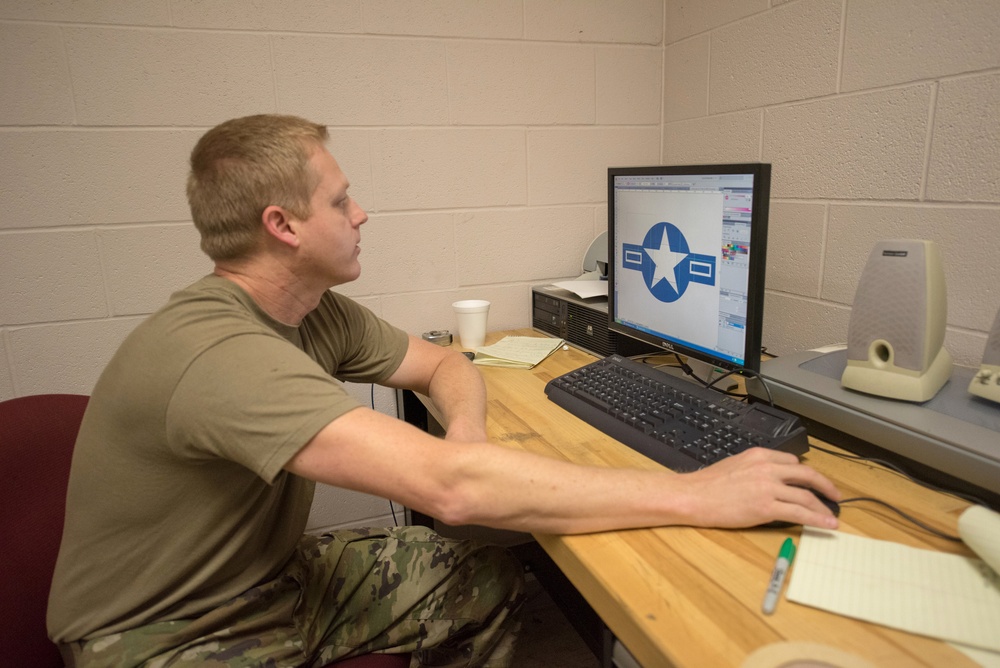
x=581, y=322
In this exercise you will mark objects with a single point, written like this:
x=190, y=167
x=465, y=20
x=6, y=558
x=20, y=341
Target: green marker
x=781, y=567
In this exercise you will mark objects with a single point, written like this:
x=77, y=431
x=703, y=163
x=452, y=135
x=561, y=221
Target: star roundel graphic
x=667, y=264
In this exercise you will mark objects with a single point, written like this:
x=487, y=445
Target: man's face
x=330, y=235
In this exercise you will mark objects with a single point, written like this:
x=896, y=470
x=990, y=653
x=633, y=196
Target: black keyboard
x=672, y=421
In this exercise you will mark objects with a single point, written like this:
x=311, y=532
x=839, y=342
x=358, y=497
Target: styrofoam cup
x=471, y=314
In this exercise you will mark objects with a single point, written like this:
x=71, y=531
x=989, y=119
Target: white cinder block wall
x=881, y=119
x=477, y=134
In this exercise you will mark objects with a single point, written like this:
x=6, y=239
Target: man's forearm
x=452, y=383
x=458, y=391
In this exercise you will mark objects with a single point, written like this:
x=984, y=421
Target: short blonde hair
x=241, y=167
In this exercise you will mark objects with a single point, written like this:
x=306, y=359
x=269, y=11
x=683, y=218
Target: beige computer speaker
x=986, y=382
x=896, y=332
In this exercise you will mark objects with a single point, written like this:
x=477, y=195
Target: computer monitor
x=687, y=248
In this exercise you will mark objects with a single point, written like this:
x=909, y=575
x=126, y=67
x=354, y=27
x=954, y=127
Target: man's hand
x=756, y=487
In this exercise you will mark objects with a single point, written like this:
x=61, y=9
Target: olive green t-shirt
x=178, y=499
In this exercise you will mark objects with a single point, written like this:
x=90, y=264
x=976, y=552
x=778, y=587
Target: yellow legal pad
x=520, y=352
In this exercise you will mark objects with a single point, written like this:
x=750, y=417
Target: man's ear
x=279, y=225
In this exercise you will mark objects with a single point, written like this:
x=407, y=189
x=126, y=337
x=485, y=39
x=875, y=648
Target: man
x=195, y=464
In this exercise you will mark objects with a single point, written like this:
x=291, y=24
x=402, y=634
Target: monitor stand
x=952, y=439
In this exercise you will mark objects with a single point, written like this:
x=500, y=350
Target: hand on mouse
x=757, y=487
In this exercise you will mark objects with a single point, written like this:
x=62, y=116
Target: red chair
x=37, y=435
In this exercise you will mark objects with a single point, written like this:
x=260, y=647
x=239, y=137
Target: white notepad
x=944, y=596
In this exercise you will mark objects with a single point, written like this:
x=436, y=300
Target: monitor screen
x=687, y=247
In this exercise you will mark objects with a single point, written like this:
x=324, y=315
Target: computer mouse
x=826, y=501
x=829, y=503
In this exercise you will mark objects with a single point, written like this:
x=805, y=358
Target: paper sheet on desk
x=519, y=352
x=940, y=595
x=585, y=289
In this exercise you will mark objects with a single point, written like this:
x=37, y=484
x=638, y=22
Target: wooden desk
x=691, y=597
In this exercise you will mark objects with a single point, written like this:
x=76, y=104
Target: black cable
x=729, y=393
x=682, y=365
x=767, y=390
x=688, y=371
x=392, y=509
x=746, y=372
x=644, y=359
x=910, y=518
x=898, y=470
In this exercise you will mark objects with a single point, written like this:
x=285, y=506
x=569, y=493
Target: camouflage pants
x=451, y=603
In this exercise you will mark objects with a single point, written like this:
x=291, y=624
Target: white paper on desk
x=930, y=593
x=585, y=289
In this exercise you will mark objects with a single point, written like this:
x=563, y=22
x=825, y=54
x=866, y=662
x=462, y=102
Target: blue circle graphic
x=660, y=235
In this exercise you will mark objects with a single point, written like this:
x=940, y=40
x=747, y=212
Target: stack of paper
x=519, y=352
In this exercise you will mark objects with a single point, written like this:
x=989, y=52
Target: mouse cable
x=910, y=518
x=898, y=470
x=392, y=507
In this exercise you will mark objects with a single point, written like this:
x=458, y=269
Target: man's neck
x=280, y=295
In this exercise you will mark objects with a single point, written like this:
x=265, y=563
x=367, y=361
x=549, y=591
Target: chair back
x=37, y=434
